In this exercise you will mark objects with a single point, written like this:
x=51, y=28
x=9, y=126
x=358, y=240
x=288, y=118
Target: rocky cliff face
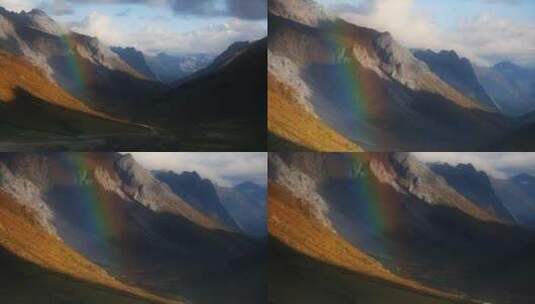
x=135, y=59
x=397, y=210
x=476, y=186
x=457, y=72
x=200, y=193
x=110, y=209
x=42, y=40
x=364, y=84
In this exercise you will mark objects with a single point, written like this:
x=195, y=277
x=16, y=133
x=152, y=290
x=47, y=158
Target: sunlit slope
x=291, y=225
x=291, y=122
x=31, y=103
x=18, y=74
x=43, y=269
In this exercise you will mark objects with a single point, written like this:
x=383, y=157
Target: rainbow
x=380, y=206
x=75, y=66
x=97, y=207
x=358, y=90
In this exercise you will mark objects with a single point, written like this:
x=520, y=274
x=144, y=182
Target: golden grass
x=17, y=73
x=290, y=222
x=288, y=120
x=22, y=235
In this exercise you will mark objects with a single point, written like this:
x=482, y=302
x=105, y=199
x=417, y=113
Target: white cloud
x=497, y=164
x=159, y=36
x=17, y=5
x=224, y=168
x=485, y=39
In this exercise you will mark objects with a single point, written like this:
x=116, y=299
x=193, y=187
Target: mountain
x=310, y=263
x=212, y=111
x=36, y=113
x=109, y=209
x=235, y=50
x=476, y=186
x=457, y=72
x=199, y=192
x=405, y=218
x=82, y=65
x=30, y=255
x=246, y=203
x=512, y=87
x=135, y=59
x=241, y=208
x=518, y=195
x=231, y=98
x=172, y=68
x=368, y=88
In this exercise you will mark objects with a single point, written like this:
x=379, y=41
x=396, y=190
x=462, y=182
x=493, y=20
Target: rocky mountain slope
x=82, y=65
x=457, y=72
x=476, y=186
x=368, y=87
x=135, y=59
x=31, y=255
x=35, y=110
x=201, y=193
x=205, y=112
x=119, y=216
x=301, y=247
x=401, y=213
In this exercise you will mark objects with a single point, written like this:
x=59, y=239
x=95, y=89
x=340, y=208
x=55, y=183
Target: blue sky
x=486, y=31
x=172, y=26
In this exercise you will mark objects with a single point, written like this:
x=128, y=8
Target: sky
x=153, y=26
x=223, y=168
x=497, y=164
x=485, y=31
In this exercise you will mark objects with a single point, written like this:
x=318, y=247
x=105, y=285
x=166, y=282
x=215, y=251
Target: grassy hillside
x=324, y=265
x=290, y=122
x=42, y=266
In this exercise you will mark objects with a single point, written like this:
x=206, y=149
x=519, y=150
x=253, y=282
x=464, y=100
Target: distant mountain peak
x=524, y=178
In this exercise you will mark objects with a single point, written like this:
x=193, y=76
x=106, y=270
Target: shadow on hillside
x=29, y=123
x=296, y=278
x=23, y=282
x=162, y=252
